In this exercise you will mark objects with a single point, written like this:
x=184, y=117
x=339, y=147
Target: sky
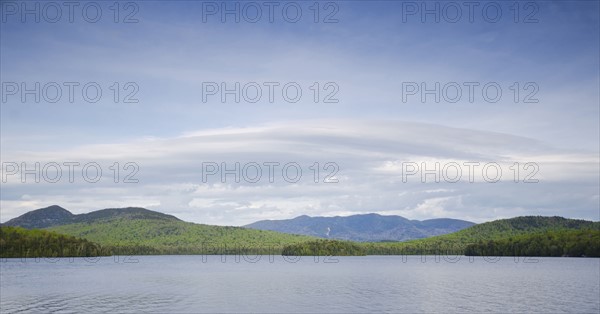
x=231, y=112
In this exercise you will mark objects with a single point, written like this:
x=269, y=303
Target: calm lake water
x=272, y=284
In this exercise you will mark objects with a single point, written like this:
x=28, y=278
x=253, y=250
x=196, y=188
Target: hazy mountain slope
x=56, y=216
x=369, y=227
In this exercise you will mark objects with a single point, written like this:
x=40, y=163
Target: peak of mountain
x=41, y=218
x=57, y=216
x=528, y=223
x=363, y=227
x=124, y=213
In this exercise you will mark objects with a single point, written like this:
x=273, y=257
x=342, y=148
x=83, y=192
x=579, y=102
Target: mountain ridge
x=496, y=230
x=140, y=231
x=41, y=218
x=363, y=227
x=371, y=227
x=56, y=215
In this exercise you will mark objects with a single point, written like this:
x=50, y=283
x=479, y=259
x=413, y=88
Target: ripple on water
x=371, y=284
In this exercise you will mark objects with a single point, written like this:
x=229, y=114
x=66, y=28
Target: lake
x=274, y=284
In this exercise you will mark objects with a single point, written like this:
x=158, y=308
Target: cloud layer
x=375, y=166
x=370, y=136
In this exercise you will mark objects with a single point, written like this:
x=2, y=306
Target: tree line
x=574, y=243
x=20, y=242
x=324, y=248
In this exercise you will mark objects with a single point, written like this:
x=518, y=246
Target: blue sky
x=369, y=132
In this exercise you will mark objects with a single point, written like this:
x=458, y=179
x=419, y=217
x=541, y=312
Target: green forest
x=161, y=236
x=456, y=243
x=574, y=243
x=20, y=242
x=324, y=248
x=154, y=235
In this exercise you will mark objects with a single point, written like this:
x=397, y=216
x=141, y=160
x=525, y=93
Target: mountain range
x=56, y=216
x=139, y=231
x=363, y=228
x=147, y=231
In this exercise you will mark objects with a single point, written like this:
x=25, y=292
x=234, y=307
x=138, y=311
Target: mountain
x=497, y=230
x=56, y=216
x=575, y=243
x=140, y=231
x=42, y=218
x=505, y=228
x=135, y=230
x=20, y=242
x=369, y=227
x=124, y=213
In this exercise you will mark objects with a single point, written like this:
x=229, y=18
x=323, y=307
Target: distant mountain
x=57, y=216
x=369, y=227
x=42, y=218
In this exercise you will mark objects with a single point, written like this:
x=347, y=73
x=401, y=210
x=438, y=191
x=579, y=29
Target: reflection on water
x=273, y=284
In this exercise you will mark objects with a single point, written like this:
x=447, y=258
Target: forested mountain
x=551, y=243
x=365, y=228
x=457, y=242
x=141, y=231
x=171, y=236
x=42, y=218
x=136, y=230
x=20, y=242
x=56, y=216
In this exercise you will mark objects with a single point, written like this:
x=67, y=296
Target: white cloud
x=369, y=155
x=369, y=54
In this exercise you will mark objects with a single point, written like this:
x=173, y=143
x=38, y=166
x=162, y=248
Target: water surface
x=272, y=284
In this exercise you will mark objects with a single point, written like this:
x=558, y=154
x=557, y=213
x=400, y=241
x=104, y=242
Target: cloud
x=368, y=159
x=370, y=135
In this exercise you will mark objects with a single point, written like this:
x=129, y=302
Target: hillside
x=575, y=243
x=20, y=242
x=135, y=230
x=169, y=236
x=56, y=216
x=364, y=228
x=456, y=243
x=140, y=231
x=41, y=218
